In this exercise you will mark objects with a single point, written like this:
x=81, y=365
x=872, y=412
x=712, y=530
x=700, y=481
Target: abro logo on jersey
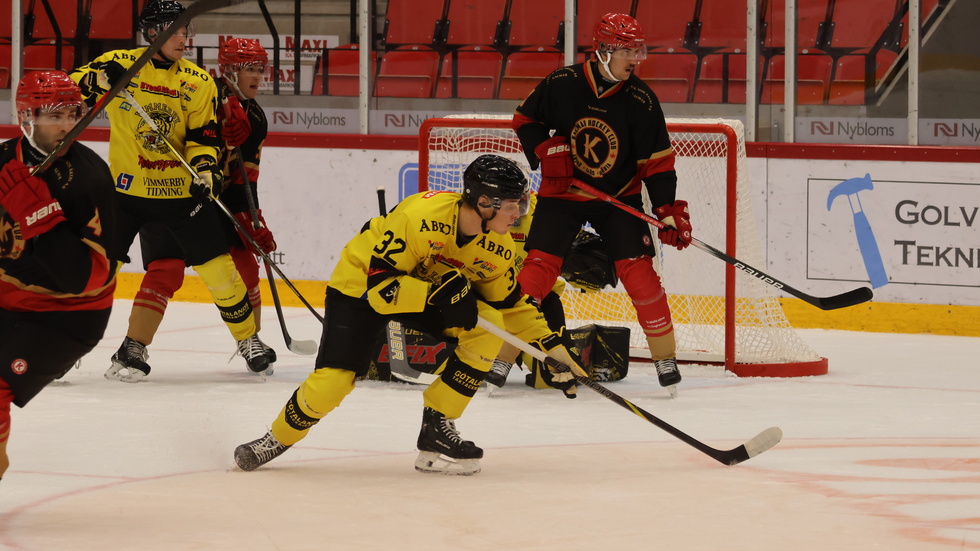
x=562, y=148
x=495, y=248
x=436, y=226
x=43, y=212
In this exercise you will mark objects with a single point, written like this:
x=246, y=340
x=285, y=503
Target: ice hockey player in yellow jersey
x=436, y=262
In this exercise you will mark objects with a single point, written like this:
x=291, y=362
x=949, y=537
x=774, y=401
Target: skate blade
x=672, y=389
x=436, y=463
x=124, y=374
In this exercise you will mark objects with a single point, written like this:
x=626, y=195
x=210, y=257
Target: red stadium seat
x=111, y=20
x=341, y=68
x=859, y=24
x=852, y=81
x=65, y=13
x=535, y=22
x=666, y=23
x=473, y=22
x=477, y=73
x=723, y=25
x=809, y=15
x=722, y=79
x=589, y=11
x=524, y=69
x=812, y=79
x=43, y=57
x=407, y=73
x=670, y=75
x=413, y=21
x=4, y=77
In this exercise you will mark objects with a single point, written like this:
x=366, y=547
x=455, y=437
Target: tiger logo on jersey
x=165, y=119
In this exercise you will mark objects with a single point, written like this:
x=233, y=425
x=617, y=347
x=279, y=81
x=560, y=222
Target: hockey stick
x=760, y=443
x=241, y=229
x=843, y=300
x=303, y=348
x=197, y=8
x=395, y=335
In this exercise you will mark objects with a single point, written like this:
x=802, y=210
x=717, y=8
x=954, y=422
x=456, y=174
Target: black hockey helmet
x=496, y=177
x=156, y=15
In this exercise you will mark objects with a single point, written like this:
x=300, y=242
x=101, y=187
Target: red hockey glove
x=235, y=128
x=556, y=166
x=455, y=300
x=261, y=235
x=678, y=220
x=28, y=200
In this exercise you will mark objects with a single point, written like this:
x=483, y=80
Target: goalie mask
x=495, y=178
x=158, y=15
x=618, y=35
x=45, y=92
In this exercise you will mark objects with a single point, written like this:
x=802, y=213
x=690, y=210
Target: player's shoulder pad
x=188, y=71
x=641, y=93
x=562, y=74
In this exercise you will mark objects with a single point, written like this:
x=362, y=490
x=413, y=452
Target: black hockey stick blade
x=843, y=300
x=398, y=357
x=760, y=443
x=850, y=298
x=303, y=348
x=197, y=8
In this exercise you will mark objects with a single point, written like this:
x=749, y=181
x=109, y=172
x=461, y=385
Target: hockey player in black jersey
x=56, y=279
x=599, y=123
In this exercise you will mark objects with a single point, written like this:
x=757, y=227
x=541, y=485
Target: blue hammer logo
x=866, y=237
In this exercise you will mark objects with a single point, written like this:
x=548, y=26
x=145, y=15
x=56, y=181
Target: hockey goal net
x=720, y=315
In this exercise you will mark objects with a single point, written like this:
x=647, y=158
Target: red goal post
x=721, y=316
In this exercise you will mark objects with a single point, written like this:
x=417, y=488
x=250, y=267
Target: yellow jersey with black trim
x=398, y=258
x=181, y=98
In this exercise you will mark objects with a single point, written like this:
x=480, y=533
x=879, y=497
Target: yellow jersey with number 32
x=397, y=259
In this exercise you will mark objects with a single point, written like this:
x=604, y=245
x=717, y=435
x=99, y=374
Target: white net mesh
x=695, y=281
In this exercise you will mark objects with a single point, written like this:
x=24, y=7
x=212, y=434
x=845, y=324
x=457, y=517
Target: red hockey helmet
x=47, y=91
x=617, y=30
x=242, y=51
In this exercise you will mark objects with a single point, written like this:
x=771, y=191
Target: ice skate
x=497, y=376
x=442, y=450
x=129, y=362
x=668, y=374
x=256, y=453
x=257, y=355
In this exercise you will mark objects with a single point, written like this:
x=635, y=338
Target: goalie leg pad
x=539, y=273
x=649, y=299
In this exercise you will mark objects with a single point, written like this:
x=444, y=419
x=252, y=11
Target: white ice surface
x=881, y=453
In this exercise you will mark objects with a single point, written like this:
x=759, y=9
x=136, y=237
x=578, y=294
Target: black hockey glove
x=455, y=300
x=105, y=76
x=208, y=183
x=562, y=365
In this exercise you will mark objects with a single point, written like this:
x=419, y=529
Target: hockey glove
x=556, y=166
x=455, y=300
x=235, y=127
x=208, y=183
x=105, y=76
x=260, y=235
x=678, y=220
x=562, y=368
x=28, y=200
